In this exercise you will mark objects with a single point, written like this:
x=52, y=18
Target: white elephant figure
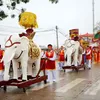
x=17, y=49
x=72, y=47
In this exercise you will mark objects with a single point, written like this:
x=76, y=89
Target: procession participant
x=89, y=57
x=61, y=58
x=1, y=63
x=98, y=57
x=95, y=54
x=51, y=64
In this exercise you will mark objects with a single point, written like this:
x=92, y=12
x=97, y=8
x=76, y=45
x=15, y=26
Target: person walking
x=89, y=57
x=51, y=64
x=61, y=58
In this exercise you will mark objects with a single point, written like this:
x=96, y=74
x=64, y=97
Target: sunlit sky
x=67, y=14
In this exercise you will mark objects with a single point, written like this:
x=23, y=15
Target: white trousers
x=1, y=75
x=52, y=75
x=89, y=63
x=61, y=64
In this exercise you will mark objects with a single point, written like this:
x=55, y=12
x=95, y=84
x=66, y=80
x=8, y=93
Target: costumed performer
x=51, y=64
x=98, y=54
x=95, y=54
x=61, y=58
x=89, y=57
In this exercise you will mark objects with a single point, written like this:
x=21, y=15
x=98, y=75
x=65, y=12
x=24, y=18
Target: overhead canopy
x=86, y=35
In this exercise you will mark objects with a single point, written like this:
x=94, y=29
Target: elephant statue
x=17, y=50
x=72, y=48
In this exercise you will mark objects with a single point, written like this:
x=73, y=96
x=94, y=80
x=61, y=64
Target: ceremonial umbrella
x=86, y=35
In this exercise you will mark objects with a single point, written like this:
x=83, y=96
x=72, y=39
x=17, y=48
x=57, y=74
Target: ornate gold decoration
x=34, y=51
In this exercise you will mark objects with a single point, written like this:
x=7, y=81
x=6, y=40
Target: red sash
x=61, y=56
x=50, y=65
x=89, y=56
x=49, y=54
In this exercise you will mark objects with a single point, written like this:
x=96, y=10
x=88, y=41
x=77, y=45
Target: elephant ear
x=24, y=43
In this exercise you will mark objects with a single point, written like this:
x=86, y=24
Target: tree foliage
x=97, y=27
x=11, y=5
x=54, y=1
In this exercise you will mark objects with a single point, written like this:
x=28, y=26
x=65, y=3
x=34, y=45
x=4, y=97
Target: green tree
x=97, y=27
x=11, y=5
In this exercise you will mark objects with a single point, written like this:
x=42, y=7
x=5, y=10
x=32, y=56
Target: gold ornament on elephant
x=34, y=51
x=28, y=20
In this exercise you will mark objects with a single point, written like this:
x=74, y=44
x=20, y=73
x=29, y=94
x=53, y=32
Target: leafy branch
x=11, y=5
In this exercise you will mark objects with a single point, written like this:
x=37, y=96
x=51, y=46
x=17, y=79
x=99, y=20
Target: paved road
x=84, y=85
